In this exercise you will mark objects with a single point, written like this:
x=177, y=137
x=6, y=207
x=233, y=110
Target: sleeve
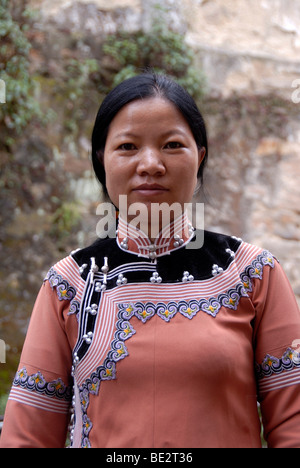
x=277, y=340
x=37, y=412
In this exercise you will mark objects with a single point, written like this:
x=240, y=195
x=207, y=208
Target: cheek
x=113, y=182
x=187, y=181
x=112, y=177
x=188, y=171
x=117, y=178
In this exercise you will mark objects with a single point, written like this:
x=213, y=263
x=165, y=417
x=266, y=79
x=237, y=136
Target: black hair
x=144, y=86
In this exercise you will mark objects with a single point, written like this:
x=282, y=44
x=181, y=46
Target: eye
x=173, y=145
x=127, y=147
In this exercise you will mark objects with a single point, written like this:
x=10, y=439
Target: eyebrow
x=125, y=135
x=174, y=132
x=130, y=134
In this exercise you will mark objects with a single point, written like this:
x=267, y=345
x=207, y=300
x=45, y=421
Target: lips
x=150, y=189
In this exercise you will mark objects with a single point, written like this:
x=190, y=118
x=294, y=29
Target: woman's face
x=151, y=155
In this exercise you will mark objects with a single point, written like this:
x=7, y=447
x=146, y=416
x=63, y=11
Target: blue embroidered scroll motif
x=107, y=371
x=272, y=365
x=65, y=292
x=276, y=373
x=37, y=383
x=255, y=270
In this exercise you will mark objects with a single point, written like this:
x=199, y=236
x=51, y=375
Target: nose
x=151, y=163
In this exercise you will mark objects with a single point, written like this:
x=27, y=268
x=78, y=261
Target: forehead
x=146, y=113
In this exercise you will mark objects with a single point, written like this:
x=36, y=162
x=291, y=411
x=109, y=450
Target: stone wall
x=242, y=46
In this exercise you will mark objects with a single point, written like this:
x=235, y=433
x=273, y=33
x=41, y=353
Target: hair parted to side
x=145, y=86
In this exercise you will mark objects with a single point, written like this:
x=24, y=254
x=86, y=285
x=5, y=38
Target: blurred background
x=58, y=59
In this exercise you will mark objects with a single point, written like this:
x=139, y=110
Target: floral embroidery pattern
x=107, y=371
x=255, y=270
x=167, y=311
x=211, y=306
x=277, y=373
x=273, y=365
x=87, y=426
x=188, y=309
x=74, y=308
x=37, y=382
x=64, y=290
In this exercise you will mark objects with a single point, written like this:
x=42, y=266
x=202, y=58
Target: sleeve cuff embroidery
x=275, y=373
x=34, y=390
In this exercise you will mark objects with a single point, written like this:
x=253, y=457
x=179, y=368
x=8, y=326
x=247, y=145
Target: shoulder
x=99, y=248
x=219, y=251
x=217, y=244
x=67, y=276
x=74, y=263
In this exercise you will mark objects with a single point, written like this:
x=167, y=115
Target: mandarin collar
x=172, y=237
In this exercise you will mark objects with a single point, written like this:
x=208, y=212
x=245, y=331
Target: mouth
x=150, y=189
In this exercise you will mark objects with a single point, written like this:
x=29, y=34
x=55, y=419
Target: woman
x=157, y=343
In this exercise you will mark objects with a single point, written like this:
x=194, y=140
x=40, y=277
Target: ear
x=100, y=156
x=201, y=156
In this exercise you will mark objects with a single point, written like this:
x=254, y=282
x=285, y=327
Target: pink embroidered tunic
x=160, y=345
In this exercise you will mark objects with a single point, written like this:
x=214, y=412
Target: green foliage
x=160, y=49
x=75, y=89
x=21, y=106
x=65, y=219
x=3, y=401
